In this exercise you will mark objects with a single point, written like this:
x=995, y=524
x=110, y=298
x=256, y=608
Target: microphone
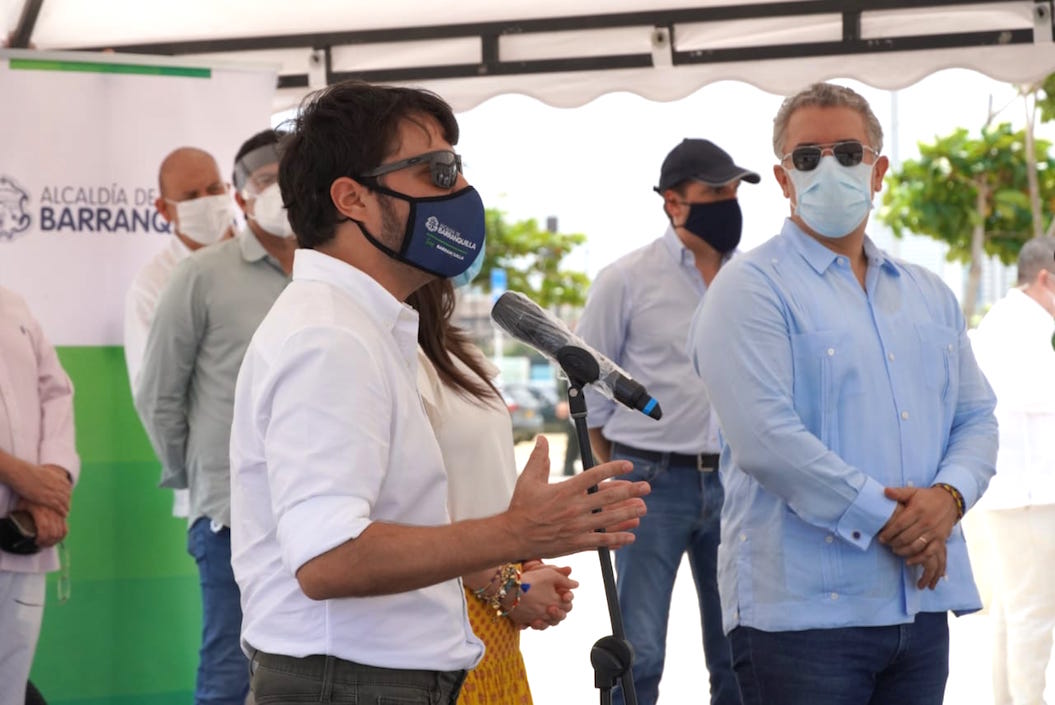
x=522, y=318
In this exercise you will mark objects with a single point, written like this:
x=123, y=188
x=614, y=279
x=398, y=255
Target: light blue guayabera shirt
x=826, y=393
x=636, y=315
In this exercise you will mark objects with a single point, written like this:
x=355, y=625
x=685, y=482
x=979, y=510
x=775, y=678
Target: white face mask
x=269, y=213
x=204, y=219
x=833, y=199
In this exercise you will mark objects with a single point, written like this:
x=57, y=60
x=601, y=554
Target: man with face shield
x=205, y=317
x=341, y=540
x=858, y=429
x=194, y=200
x=636, y=314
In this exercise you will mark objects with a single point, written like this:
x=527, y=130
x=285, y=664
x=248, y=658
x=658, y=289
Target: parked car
x=545, y=399
x=525, y=411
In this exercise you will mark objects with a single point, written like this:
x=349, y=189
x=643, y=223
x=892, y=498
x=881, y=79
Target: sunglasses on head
x=444, y=167
x=848, y=153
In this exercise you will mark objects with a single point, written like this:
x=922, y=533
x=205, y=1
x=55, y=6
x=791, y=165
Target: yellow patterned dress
x=500, y=678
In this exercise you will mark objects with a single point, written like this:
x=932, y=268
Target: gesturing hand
x=554, y=520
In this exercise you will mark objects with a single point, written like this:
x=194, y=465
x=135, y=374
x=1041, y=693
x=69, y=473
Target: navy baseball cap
x=700, y=160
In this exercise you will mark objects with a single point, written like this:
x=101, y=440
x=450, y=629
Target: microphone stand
x=612, y=656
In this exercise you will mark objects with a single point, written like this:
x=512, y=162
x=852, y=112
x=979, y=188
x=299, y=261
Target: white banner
x=81, y=140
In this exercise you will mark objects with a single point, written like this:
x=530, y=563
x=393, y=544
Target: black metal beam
x=489, y=34
x=649, y=18
x=23, y=32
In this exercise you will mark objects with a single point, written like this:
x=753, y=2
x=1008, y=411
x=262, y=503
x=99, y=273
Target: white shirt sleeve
x=325, y=414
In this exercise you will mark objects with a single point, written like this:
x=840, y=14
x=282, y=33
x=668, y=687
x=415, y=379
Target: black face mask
x=718, y=223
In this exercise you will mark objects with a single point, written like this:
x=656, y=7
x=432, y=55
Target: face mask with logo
x=444, y=234
x=270, y=214
x=719, y=223
x=833, y=199
x=204, y=219
x=466, y=278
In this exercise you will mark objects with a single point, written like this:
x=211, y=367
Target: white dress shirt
x=141, y=302
x=330, y=435
x=1013, y=344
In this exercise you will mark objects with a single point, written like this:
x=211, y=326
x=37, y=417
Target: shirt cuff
x=868, y=514
x=312, y=528
x=61, y=455
x=964, y=482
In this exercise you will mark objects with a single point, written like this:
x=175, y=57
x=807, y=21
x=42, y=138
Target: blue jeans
x=905, y=663
x=684, y=511
x=223, y=670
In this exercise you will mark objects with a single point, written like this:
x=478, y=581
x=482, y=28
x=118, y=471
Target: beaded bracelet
x=957, y=497
x=507, y=578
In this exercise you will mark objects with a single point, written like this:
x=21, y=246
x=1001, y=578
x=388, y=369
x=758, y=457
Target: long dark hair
x=439, y=338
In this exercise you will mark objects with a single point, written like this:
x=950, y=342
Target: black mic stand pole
x=612, y=656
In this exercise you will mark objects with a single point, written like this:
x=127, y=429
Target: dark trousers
x=285, y=680
x=684, y=512
x=895, y=665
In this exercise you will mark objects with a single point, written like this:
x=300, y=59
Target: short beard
x=393, y=234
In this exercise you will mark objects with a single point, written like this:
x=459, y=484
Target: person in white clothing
x=1013, y=344
x=189, y=181
x=38, y=468
x=475, y=434
x=348, y=565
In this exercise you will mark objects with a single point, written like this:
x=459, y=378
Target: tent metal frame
x=489, y=34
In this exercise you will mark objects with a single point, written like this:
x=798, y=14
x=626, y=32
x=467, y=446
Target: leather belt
x=704, y=462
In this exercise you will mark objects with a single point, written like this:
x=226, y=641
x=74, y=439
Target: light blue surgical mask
x=466, y=277
x=833, y=199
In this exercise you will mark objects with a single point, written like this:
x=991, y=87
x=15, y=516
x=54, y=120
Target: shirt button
x=842, y=260
x=828, y=539
x=743, y=537
x=904, y=415
x=831, y=351
x=835, y=596
x=950, y=347
x=890, y=356
x=856, y=535
x=910, y=483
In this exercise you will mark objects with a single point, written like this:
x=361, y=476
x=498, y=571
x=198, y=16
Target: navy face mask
x=718, y=224
x=444, y=234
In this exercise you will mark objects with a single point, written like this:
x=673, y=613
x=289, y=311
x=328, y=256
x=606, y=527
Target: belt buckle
x=699, y=463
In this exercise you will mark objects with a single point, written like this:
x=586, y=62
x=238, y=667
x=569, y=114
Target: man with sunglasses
x=858, y=429
x=637, y=312
x=205, y=317
x=341, y=541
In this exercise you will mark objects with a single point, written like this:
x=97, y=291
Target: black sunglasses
x=848, y=153
x=444, y=167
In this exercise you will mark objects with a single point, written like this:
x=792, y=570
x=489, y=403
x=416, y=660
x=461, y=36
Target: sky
x=594, y=167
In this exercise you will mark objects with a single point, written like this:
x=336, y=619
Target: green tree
x=531, y=257
x=972, y=194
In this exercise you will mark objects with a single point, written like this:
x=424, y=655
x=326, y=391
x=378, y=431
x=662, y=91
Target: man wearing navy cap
x=637, y=313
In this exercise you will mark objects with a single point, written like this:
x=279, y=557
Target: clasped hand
x=918, y=529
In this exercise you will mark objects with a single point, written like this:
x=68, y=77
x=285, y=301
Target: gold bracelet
x=956, y=496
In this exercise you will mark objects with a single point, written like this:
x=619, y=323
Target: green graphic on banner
x=105, y=67
x=130, y=631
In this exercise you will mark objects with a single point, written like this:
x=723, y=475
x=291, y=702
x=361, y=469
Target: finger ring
x=923, y=539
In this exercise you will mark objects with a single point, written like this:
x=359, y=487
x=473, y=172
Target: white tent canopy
x=562, y=52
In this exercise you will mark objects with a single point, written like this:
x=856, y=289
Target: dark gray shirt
x=205, y=318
